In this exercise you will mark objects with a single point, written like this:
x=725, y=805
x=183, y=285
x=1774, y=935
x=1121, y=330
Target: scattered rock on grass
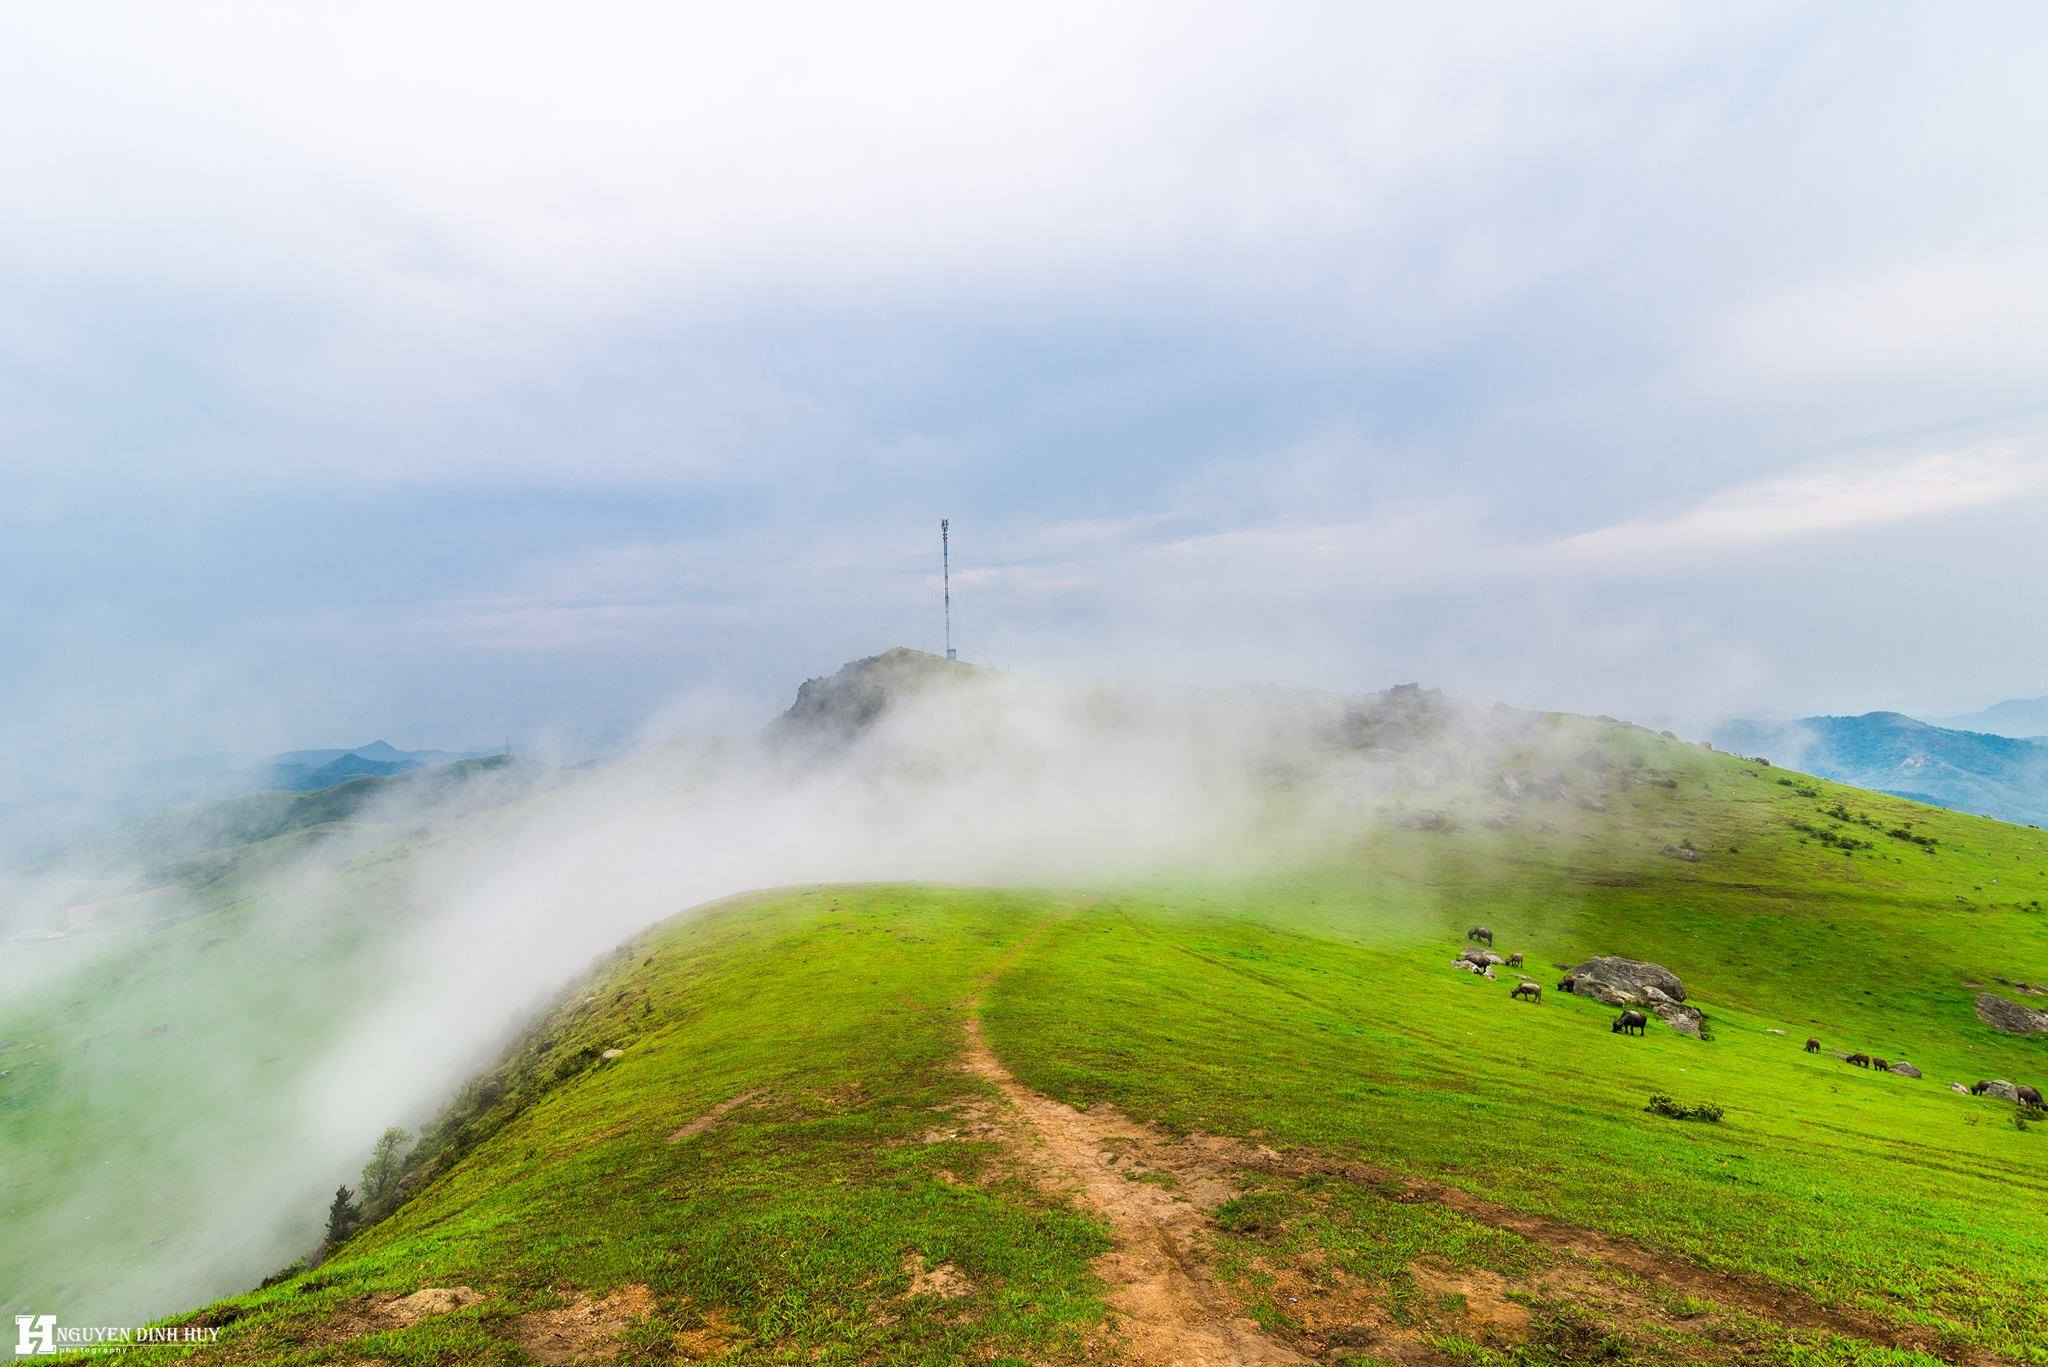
x=2001, y=1013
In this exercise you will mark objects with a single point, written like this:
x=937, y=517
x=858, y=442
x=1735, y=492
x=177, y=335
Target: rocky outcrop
x=836, y=709
x=2002, y=1014
x=1905, y=1070
x=1636, y=982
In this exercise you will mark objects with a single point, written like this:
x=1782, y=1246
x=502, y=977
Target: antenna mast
x=946, y=578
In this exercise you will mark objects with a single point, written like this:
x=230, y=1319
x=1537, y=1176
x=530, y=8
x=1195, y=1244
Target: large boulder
x=1905, y=1070
x=2001, y=1013
x=2000, y=1090
x=1620, y=982
x=1636, y=982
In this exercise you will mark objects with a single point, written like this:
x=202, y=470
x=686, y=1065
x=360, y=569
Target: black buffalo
x=1812, y=1045
x=1860, y=1060
x=1629, y=1022
x=1480, y=933
x=2029, y=1096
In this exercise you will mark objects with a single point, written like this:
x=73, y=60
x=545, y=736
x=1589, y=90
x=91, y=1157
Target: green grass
x=1311, y=1008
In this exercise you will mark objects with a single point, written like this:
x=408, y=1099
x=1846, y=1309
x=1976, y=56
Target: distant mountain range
x=2015, y=717
x=1968, y=771
x=88, y=804
x=224, y=774
x=305, y=771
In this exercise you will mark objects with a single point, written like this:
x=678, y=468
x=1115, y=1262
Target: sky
x=459, y=373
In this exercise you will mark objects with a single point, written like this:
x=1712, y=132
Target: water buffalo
x=2029, y=1096
x=1529, y=990
x=1880, y=1065
x=1860, y=1060
x=1515, y=959
x=1979, y=1088
x=1566, y=985
x=1812, y=1045
x=1629, y=1021
x=1480, y=933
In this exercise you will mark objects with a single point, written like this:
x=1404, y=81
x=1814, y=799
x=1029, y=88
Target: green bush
x=1661, y=1104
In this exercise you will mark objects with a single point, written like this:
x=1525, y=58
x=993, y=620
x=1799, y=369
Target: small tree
x=343, y=1216
x=380, y=1174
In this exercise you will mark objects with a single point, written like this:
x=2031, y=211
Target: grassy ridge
x=1312, y=1009
x=835, y=1013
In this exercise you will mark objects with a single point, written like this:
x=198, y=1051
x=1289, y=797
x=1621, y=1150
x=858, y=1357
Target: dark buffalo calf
x=2029, y=1096
x=1812, y=1045
x=1629, y=1022
x=1529, y=990
x=1860, y=1060
x=1567, y=984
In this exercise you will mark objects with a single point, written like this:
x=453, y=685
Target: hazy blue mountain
x=2014, y=717
x=1968, y=771
x=306, y=771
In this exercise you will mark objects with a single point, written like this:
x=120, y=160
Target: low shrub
x=1661, y=1104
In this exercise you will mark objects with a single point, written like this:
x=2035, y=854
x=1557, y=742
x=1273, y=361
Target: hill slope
x=1892, y=753
x=1260, y=1117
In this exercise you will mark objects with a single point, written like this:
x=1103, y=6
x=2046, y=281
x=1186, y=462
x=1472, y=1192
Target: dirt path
x=1171, y=1310
x=1156, y=1194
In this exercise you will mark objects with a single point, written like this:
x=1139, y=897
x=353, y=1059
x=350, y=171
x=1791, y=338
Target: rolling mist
x=356, y=984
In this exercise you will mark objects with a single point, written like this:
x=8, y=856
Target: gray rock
x=1620, y=982
x=2002, y=1014
x=1905, y=1070
x=2000, y=1090
x=1634, y=982
x=1959, y=1087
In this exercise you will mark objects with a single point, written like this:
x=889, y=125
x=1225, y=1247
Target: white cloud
x=1810, y=503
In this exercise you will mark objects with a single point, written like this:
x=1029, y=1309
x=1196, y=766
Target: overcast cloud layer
x=524, y=370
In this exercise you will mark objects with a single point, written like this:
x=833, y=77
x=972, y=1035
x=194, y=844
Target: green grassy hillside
x=928, y=1124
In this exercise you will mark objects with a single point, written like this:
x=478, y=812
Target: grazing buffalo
x=1860, y=1060
x=1979, y=1088
x=2029, y=1096
x=1567, y=984
x=1629, y=1022
x=1479, y=933
x=1529, y=990
x=1515, y=959
x=1880, y=1065
x=1812, y=1045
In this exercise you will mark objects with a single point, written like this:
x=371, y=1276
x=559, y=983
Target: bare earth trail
x=1156, y=1193
x=1172, y=1312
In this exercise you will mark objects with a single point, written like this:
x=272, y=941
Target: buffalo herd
x=1634, y=1022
